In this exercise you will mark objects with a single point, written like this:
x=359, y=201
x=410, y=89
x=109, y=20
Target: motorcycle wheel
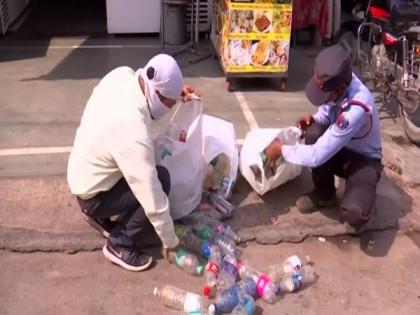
x=410, y=121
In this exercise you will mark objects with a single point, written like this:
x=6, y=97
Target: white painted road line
x=34, y=151
x=53, y=150
x=66, y=47
x=249, y=116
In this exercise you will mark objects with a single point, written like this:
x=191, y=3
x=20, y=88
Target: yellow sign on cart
x=254, y=35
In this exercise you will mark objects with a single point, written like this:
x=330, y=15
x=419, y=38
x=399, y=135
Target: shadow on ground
x=274, y=218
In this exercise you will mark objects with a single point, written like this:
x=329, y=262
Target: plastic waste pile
x=209, y=249
x=230, y=285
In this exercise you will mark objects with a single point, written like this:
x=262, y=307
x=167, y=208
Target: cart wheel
x=229, y=86
x=283, y=84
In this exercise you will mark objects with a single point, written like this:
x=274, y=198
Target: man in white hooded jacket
x=112, y=168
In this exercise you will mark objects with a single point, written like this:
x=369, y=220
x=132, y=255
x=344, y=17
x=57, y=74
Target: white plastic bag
x=180, y=148
x=220, y=141
x=255, y=142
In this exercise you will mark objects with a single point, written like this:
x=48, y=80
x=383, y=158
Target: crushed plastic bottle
x=224, y=229
x=187, y=262
x=290, y=265
x=226, y=245
x=227, y=300
x=232, y=296
x=179, y=299
x=222, y=205
x=211, y=272
x=293, y=282
x=228, y=273
x=246, y=306
x=267, y=289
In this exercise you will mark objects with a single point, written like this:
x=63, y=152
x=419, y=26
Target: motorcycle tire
x=411, y=130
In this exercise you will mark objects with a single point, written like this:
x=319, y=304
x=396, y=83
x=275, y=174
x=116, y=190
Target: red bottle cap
x=206, y=291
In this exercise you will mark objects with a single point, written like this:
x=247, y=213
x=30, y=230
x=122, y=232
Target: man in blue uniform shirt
x=342, y=138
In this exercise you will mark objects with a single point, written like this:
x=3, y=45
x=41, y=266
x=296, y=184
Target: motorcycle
x=383, y=40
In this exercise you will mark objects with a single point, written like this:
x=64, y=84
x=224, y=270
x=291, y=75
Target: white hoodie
x=112, y=141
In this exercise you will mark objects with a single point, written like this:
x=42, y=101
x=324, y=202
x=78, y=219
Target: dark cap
x=332, y=70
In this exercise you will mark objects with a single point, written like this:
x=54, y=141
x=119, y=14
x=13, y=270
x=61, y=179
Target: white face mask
x=156, y=107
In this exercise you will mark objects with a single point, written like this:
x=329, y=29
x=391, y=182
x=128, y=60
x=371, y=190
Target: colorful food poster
x=254, y=35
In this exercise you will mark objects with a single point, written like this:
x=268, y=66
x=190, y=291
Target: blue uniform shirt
x=353, y=127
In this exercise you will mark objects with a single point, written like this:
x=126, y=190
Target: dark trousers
x=121, y=200
x=360, y=173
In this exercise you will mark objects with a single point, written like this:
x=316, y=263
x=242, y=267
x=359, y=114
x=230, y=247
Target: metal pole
x=197, y=33
x=162, y=25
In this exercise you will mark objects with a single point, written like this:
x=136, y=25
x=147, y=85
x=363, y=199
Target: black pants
x=361, y=174
x=121, y=200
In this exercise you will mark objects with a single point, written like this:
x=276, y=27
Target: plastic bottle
x=226, y=245
x=249, y=286
x=231, y=297
x=179, y=299
x=228, y=273
x=295, y=281
x=225, y=188
x=228, y=300
x=290, y=265
x=267, y=289
x=221, y=204
x=224, y=229
x=211, y=272
x=187, y=262
x=246, y=306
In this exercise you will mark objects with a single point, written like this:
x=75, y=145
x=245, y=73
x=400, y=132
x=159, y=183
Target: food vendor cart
x=252, y=38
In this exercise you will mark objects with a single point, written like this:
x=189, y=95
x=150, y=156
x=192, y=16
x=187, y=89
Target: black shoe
x=129, y=258
x=313, y=201
x=103, y=226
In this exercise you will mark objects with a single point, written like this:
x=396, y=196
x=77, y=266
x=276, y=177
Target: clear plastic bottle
x=228, y=273
x=246, y=306
x=293, y=282
x=290, y=265
x=221, y=204
x=267, y=289
x=249, y=286
x=226, y=245
x=211, y=272
x=224, y=229
x=227, y=301
x=225, y=188
x=179, y=299
x=187, y=262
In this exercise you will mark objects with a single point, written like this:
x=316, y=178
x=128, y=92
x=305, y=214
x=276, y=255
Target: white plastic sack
x=179, y=148
x=219, y=138
x=255, y=142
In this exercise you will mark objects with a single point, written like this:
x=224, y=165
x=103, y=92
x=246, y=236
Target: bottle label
x=262, y=282
x=212, y=267
x=249, y=306
x=230, y=268
x=297, y=280
x=192, y=302
x=206, y=249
